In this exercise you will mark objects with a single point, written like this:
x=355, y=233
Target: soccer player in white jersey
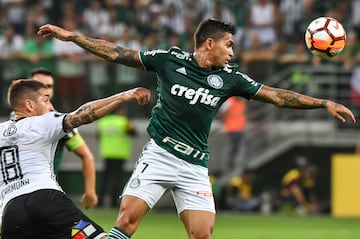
x=191, y=88
x=35, y=206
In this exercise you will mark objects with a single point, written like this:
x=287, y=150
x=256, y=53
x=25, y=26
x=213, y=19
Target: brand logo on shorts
x=135, y=183
x=204, y=194
x=215, y=81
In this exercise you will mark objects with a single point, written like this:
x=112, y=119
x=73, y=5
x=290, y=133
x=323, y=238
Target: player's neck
x=201, y=59
x=20, y=115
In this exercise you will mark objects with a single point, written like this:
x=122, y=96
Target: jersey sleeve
x=153, y=59
x=245, y=86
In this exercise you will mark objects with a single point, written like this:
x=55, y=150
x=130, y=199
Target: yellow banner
x=345, y=185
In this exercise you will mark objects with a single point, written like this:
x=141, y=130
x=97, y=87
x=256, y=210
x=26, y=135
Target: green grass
x=234, y=226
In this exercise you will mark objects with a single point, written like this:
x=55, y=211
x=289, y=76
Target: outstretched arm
x=89, y=198
x=94, y=110
x=290, y=99
x=102, y=48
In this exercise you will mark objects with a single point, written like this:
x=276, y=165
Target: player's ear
x=29, y=106
x=209, y=43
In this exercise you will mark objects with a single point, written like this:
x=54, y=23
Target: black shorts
x=46, y=214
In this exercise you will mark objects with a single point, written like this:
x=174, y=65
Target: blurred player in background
x=115, y=147
x=191, y=89
x=35, y=206
x=298, y=187
x=239, y=193
x=233, y=115
x=74, y=142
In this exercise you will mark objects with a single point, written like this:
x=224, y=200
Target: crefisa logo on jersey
x=10, y=130
x=215, y=81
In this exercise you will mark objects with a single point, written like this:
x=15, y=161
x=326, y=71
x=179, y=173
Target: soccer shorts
x=46, y=214
x=158, y=171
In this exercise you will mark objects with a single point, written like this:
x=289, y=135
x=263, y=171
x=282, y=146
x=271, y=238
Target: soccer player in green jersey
x=191, y=88
x=74, y=142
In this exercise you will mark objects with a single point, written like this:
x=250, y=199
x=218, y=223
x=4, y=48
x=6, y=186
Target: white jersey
x=27, y=149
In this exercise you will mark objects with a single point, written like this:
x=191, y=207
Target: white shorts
x=157, y=171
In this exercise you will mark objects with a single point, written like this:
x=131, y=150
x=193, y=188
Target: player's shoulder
x=155, y=52
x=5, y=124
x=170, y=51
x=176, y=49
x=51, y=115
x=50, y=118
x=233, y=70
x=236, y=181
x=230, y=69
x=292, y=174
x=179, y=54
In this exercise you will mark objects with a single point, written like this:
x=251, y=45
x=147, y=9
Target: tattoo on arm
x=127, y=57
x=83, y=115
x=109, y=51
x=290, y=99
x=99, y=47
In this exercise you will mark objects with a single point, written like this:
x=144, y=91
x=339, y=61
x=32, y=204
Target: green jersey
x=188, y=99
x=72, y=140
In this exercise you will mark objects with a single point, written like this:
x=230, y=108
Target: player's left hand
x=140, y=94
x=89, y=200
x=338, y=111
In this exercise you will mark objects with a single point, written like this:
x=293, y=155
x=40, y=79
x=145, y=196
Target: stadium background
x=274, y=137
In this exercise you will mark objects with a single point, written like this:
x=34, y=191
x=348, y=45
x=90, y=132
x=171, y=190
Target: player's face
x=48, y=81
x=42, y=104
x=222, y=51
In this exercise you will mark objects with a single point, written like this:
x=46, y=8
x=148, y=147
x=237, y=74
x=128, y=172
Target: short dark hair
x=42, y=71
x=23, y=87
x=211, y=28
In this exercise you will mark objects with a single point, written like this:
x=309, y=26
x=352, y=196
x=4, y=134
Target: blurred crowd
x=270, y=36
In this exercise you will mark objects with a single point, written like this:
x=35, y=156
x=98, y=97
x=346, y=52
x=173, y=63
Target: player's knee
x=127, y=223
x=132, y=210
x=200, y=234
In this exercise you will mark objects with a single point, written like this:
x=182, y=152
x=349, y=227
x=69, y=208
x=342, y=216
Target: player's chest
x=187, y=79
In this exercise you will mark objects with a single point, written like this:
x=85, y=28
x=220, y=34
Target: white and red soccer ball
x=325, y=37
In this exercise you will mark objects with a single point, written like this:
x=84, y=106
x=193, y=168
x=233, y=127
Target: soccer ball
x=325, y=37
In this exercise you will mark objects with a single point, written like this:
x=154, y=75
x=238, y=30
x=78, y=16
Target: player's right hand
x=49, y=30
x=339, y=111
x=89, y=200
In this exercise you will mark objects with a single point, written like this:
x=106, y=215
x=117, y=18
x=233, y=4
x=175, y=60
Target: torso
x=188, y=99
x=27, y=150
